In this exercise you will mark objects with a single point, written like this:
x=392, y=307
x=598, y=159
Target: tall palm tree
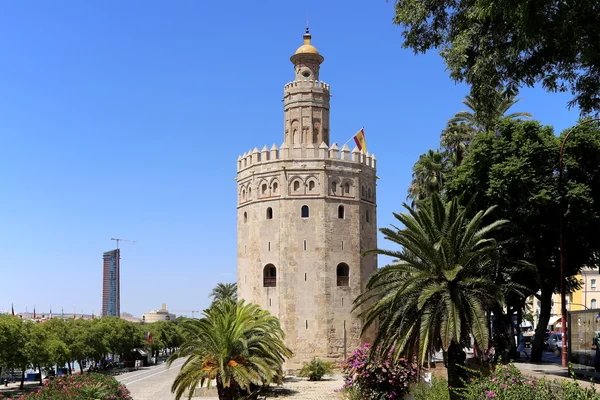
x=427, y=175
x=482, y=120
x=455, y=140
x=237, y=344
x=224, y=291
x=437, y=291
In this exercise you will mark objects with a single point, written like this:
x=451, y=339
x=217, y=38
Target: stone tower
x=306, y=213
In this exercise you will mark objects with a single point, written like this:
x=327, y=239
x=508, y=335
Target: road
x=151, y=383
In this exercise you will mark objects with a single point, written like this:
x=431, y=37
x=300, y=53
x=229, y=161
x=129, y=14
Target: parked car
x=555, y=343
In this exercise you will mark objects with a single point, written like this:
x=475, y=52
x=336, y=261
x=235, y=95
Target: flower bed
x=79, y=387
x=378, y=378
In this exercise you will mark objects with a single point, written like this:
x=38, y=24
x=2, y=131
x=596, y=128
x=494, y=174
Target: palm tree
x=237, y=344
x=455, y=140
x=482, y=120
x=427, y=175
x=437, y=291
x=224, y=291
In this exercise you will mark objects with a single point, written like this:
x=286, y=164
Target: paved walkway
x=151, y=383
x=301, y=389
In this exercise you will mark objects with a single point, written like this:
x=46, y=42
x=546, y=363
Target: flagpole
x=348, y=141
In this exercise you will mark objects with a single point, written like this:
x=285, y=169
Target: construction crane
x=122, y=240
x=185, y=311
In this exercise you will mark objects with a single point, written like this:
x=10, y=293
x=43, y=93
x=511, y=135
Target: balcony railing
x=343, y=280
x=270, y=281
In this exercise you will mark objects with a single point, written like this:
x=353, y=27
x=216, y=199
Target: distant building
x=587, y=297
x=158, y=315
x=130, y=317
x=111, y=293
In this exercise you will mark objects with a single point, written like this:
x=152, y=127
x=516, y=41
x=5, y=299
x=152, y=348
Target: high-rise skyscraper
x=111, y=293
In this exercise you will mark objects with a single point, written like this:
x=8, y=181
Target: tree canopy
x=510, y=44
x=515, y=168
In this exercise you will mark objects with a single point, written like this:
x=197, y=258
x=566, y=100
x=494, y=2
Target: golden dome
x=307, y=48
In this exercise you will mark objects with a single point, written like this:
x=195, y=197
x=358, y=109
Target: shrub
x=507, y=383
x=437, y=390
x=80, y=387
x=374, y=378
x=315, y=369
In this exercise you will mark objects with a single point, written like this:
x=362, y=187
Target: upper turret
x=307, y=60
x=306, y=99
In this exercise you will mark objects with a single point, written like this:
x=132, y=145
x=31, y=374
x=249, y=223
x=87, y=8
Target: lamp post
x=563, y=305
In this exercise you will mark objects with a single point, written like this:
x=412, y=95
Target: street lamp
x=563, y=305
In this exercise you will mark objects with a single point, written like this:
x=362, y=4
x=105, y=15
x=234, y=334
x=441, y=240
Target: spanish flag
x=360, y=141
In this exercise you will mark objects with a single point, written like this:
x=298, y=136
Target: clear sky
x=126, y=118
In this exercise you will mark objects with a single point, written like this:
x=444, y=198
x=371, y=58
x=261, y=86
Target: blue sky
x=125, y=119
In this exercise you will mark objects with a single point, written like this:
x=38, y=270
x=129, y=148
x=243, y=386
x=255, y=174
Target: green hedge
x=79, y=387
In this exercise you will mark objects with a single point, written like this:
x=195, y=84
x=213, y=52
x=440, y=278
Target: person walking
x=521, y=347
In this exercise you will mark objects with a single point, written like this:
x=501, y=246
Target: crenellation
x=345, y=153
x=323, y=150
x=254, y=157
x=356, y=155
x=334, y=152
x=309, y=84
x=274, y=153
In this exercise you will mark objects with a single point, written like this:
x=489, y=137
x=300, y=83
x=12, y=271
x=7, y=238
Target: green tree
x=237, y=344
x=509, y=45
x=224, y=291
x=516, y=169
x=13, y=339
x=455, y=141
x=480, y=118
x=37, y=347
x=56, y=329
x=160, y=337
x=78, y=341
x=122, y=337
x=436, y=294
x=427, y=177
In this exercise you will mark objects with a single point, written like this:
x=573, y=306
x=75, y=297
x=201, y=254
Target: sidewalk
x=550, y=368
x=12, y=390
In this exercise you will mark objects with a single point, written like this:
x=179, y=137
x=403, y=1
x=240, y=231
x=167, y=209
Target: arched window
x=245, y=217
x=367, y=215
x=305, y=212
x=369, y=193
x=363, y=192
x=269, y=213
x=333, y=187
x=296, y=185
x=343, y=274
x=269, y=276
x=243, y=194
x=249, y=193
x=311, y=185
x=275, y=187
x=263, y=189
x=341, y=212
x=347, y=188
x=593, y=303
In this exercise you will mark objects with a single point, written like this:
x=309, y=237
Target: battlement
x=305, y=152
x=306, y=84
